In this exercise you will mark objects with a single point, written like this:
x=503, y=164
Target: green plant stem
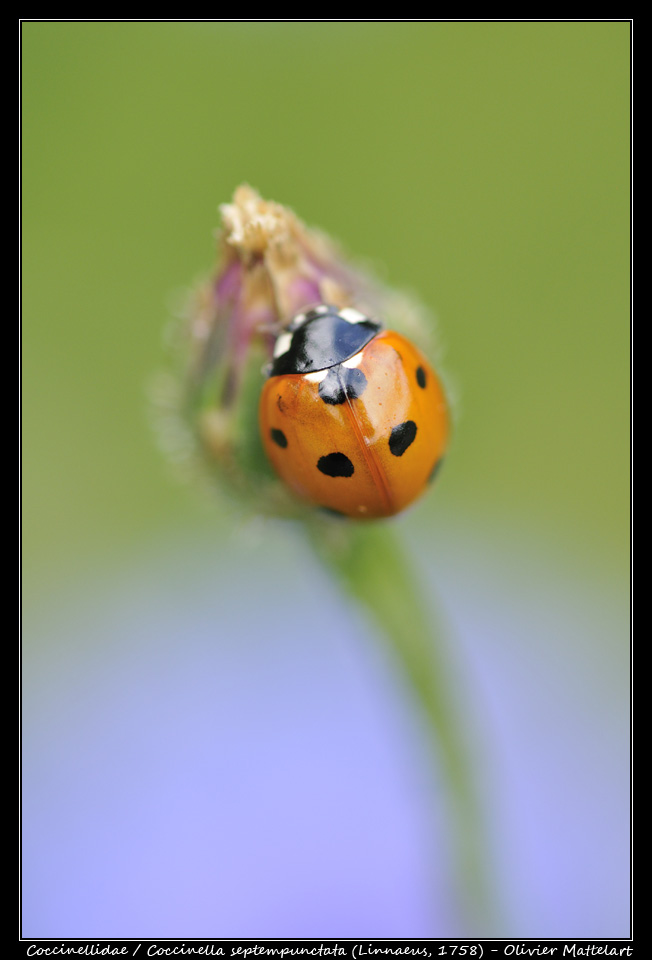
x=369, y=562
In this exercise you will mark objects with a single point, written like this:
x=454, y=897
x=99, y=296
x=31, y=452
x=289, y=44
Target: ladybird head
x=321, y=337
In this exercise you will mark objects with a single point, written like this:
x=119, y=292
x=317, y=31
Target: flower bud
x=271, y=267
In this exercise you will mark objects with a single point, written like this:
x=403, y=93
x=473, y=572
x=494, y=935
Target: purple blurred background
x=203, y=758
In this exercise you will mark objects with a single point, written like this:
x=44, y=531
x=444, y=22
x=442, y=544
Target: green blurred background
x=483, y=165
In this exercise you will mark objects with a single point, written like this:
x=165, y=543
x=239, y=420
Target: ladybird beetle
x=353, y=418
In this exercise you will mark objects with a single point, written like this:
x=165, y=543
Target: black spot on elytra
x=342, y=382
x=335, y=465
x=279, y=438
x=435, y=470
x=421, y=377
x=401, y=437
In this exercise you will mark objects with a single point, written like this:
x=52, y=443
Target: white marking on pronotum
x=282, y=344
x=322, y=308
x=316, y=377
x=354, y=361
x=351, y=315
